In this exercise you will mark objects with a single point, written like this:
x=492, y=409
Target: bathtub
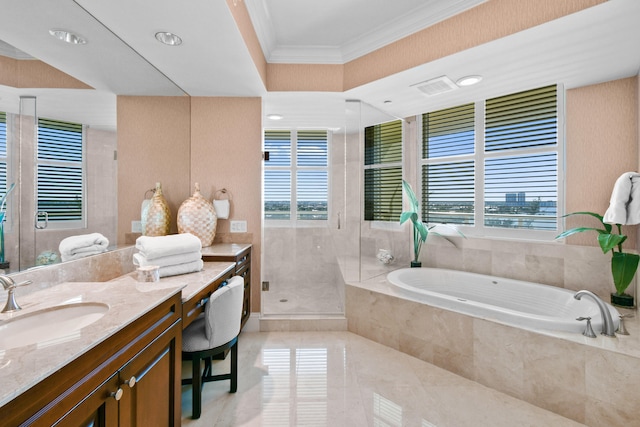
x=514, y=302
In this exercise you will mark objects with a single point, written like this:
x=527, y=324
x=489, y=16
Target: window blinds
x=383, y=172
x=60, y=187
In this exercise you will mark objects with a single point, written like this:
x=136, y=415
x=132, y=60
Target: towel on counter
x=75, y=247
x=174, y=270
x=624, y=205
x=141, y=261
x=163, y=246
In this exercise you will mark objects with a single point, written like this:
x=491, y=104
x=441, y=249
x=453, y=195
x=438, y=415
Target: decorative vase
x=624, y=300
x=156, y=220
x=416, y=264
x=198, y=217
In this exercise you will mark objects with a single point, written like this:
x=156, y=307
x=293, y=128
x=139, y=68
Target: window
x=494, y=165
x=60, y=177
x=296, y=175
x=383, y=172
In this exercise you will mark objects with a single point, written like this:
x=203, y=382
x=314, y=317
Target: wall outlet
x=136, y=226
x=238, y=226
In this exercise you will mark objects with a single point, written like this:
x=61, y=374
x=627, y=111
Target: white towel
x=624, y=205
x=141, y=261
x=163, y=246
x=174, y=270
x=74, y=247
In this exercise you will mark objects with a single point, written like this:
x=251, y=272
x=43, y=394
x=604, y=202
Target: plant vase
x=416, y=264
x=624, y=300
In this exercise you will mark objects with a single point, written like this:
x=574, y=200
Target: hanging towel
x=624, y=205
x=80, y=246
x=162, y=246
x=140, y=261
x=174, y=270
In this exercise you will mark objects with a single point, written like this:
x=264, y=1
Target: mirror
x=32, y=89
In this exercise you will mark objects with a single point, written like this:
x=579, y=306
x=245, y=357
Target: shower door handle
x=45, y=215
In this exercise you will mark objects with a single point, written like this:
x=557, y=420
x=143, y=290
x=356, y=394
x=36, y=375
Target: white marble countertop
x=225, y=249
x=128, y=299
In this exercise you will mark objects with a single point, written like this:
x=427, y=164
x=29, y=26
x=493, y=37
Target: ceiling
x=122, y=57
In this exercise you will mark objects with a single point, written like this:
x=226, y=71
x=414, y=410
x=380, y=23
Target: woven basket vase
x=158, y=215
x=198, y=217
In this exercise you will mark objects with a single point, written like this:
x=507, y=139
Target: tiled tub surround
x=590, y=380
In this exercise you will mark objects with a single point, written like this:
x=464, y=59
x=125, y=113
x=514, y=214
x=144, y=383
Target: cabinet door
x=98, y=409
x=151, y=383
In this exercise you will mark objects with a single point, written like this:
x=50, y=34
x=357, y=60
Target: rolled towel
x=80, y=246
x=141, y=261
x=188, y=267
x=622, y=208
x=163, y=246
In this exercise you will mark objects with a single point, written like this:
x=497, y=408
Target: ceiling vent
x=436, y=86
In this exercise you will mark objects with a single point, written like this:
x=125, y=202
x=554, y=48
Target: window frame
x=293, y=169
x=479, y=157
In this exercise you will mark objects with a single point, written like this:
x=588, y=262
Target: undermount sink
x=50, y=326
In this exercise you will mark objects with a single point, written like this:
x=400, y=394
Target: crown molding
x=430, y=13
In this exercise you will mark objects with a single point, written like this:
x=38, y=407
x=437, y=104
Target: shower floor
x=294, y=299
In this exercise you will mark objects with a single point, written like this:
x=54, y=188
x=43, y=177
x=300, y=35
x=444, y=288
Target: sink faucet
x=10, y=286
x=607, y=327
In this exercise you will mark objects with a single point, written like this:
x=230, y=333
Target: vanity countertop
x=128, y=299
x=225, y=249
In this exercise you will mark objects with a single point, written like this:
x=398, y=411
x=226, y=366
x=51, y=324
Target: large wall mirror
x=58, y=188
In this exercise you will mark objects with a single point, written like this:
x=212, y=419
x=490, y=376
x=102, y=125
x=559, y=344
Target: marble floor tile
x=342, y=379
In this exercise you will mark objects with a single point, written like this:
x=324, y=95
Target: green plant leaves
x=623, y=268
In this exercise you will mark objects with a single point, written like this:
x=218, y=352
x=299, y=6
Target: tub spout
x=607, y=326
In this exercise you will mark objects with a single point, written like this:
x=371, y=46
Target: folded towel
x=188, y=267
x=624, y=205
x=74, y=247
x=141, y=261
x=163, y=246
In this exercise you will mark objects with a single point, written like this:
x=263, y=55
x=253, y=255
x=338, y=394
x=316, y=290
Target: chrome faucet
x=10, y=286
x=607, y=327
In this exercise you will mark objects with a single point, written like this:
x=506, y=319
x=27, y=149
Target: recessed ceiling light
x=68, y=36
x=168, y=38
x=274, y=117
x=469, y=80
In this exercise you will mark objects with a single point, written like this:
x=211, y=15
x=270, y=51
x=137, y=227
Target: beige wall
x=154, y=145
x=601, y=144
x=216, y=142
x=226, y=152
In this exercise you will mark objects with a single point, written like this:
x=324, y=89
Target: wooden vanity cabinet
x=130, y=379
x=243, y=268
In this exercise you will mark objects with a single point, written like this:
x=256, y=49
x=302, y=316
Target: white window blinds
x=448, y=172
x=521, y=168
x=383, y=172
x=60, y=186
x=503, y=175
x=296, y=178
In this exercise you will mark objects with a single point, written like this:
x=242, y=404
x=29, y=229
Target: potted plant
x=623, y=264
x=420, y=229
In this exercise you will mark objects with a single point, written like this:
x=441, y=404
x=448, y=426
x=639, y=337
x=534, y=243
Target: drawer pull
x=130, y=382
x=117, y=395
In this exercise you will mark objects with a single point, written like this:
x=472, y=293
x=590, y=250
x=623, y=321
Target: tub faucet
x=10, y=286
x=607, y=327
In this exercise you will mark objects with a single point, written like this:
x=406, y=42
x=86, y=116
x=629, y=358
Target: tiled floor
x=341, y=379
